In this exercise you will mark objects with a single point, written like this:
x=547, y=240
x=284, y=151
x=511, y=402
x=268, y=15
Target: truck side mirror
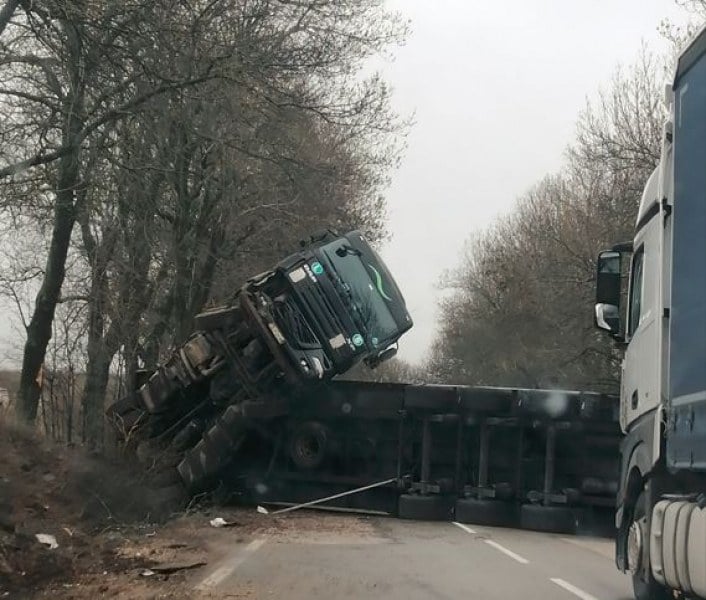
x=607, y=310
x=607, y=318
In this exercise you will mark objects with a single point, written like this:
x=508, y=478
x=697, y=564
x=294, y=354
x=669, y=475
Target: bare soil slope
x=90, y=505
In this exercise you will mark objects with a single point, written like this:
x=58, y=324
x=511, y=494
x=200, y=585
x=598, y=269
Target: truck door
x=640, y=377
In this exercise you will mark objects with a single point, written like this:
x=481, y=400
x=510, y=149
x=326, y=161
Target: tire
x=126, y=415
x=494, y=513
x=648, y=589
x=187, y=438
x=125, y=424
x=200, y=465
x=124, y=405
x=425, y=508
x=652, y=590
x=223, y=387
x=550, y=519
x=308, y=446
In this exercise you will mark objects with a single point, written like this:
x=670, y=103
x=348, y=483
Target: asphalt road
x=394, y=559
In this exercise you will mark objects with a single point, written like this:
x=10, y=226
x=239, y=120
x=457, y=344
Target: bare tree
x=521, y=311
x=74, y=73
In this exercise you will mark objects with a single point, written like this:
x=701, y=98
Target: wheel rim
x=307, y=449
x=635, y=547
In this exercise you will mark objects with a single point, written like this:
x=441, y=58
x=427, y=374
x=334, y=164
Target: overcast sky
x=496, y=88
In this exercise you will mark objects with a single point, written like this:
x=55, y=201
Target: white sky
x=496, y=87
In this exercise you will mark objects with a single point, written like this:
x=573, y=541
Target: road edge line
x=229, y=565
x=465, y=528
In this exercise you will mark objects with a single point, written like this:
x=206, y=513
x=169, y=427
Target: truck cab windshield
x=363, y=291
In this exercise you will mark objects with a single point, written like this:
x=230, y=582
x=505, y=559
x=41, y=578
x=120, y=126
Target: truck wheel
x=644, y=586
x=217, y=447
x=188, y=437
x=425, y=508
x=494, y=513
x=126, y=415
x=124, y=405
x=308, y=446
x=552, y=519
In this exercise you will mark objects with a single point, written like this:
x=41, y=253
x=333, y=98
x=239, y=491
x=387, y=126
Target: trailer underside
x=537, y=459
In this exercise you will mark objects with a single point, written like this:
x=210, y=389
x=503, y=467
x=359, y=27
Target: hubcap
x=635, y=547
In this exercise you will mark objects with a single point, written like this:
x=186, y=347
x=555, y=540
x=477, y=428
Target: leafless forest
x=154, y=153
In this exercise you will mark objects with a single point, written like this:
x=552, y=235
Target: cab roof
x=650, y=197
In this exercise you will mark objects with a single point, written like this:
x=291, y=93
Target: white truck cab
x=661, y=513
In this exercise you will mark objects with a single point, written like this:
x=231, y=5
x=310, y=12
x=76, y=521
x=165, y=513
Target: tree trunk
x=100, y=355
x=39, y=330
x=101, y=351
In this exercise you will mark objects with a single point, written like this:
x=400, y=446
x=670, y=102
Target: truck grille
x=289, y=315
x=320, y=304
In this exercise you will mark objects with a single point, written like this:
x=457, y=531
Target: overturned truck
x=249, y=405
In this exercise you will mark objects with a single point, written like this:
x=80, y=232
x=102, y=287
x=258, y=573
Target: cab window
x=636, y=283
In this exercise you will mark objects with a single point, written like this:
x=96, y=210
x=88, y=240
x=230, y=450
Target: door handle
x=634, y=400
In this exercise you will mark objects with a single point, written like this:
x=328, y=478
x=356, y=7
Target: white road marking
x=229, y=565
x=520, y=559
x=573, y=589
x=466, y=529
x=510, y=553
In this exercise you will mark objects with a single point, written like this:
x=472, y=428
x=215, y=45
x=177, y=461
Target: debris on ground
x=221, y=522
x=168, y=569
x=47, y=539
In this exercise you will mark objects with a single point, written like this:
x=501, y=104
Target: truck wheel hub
x=308, y=447
x=635, y=547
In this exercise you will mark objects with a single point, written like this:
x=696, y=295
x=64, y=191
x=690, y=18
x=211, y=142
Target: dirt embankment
x=90, y=507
